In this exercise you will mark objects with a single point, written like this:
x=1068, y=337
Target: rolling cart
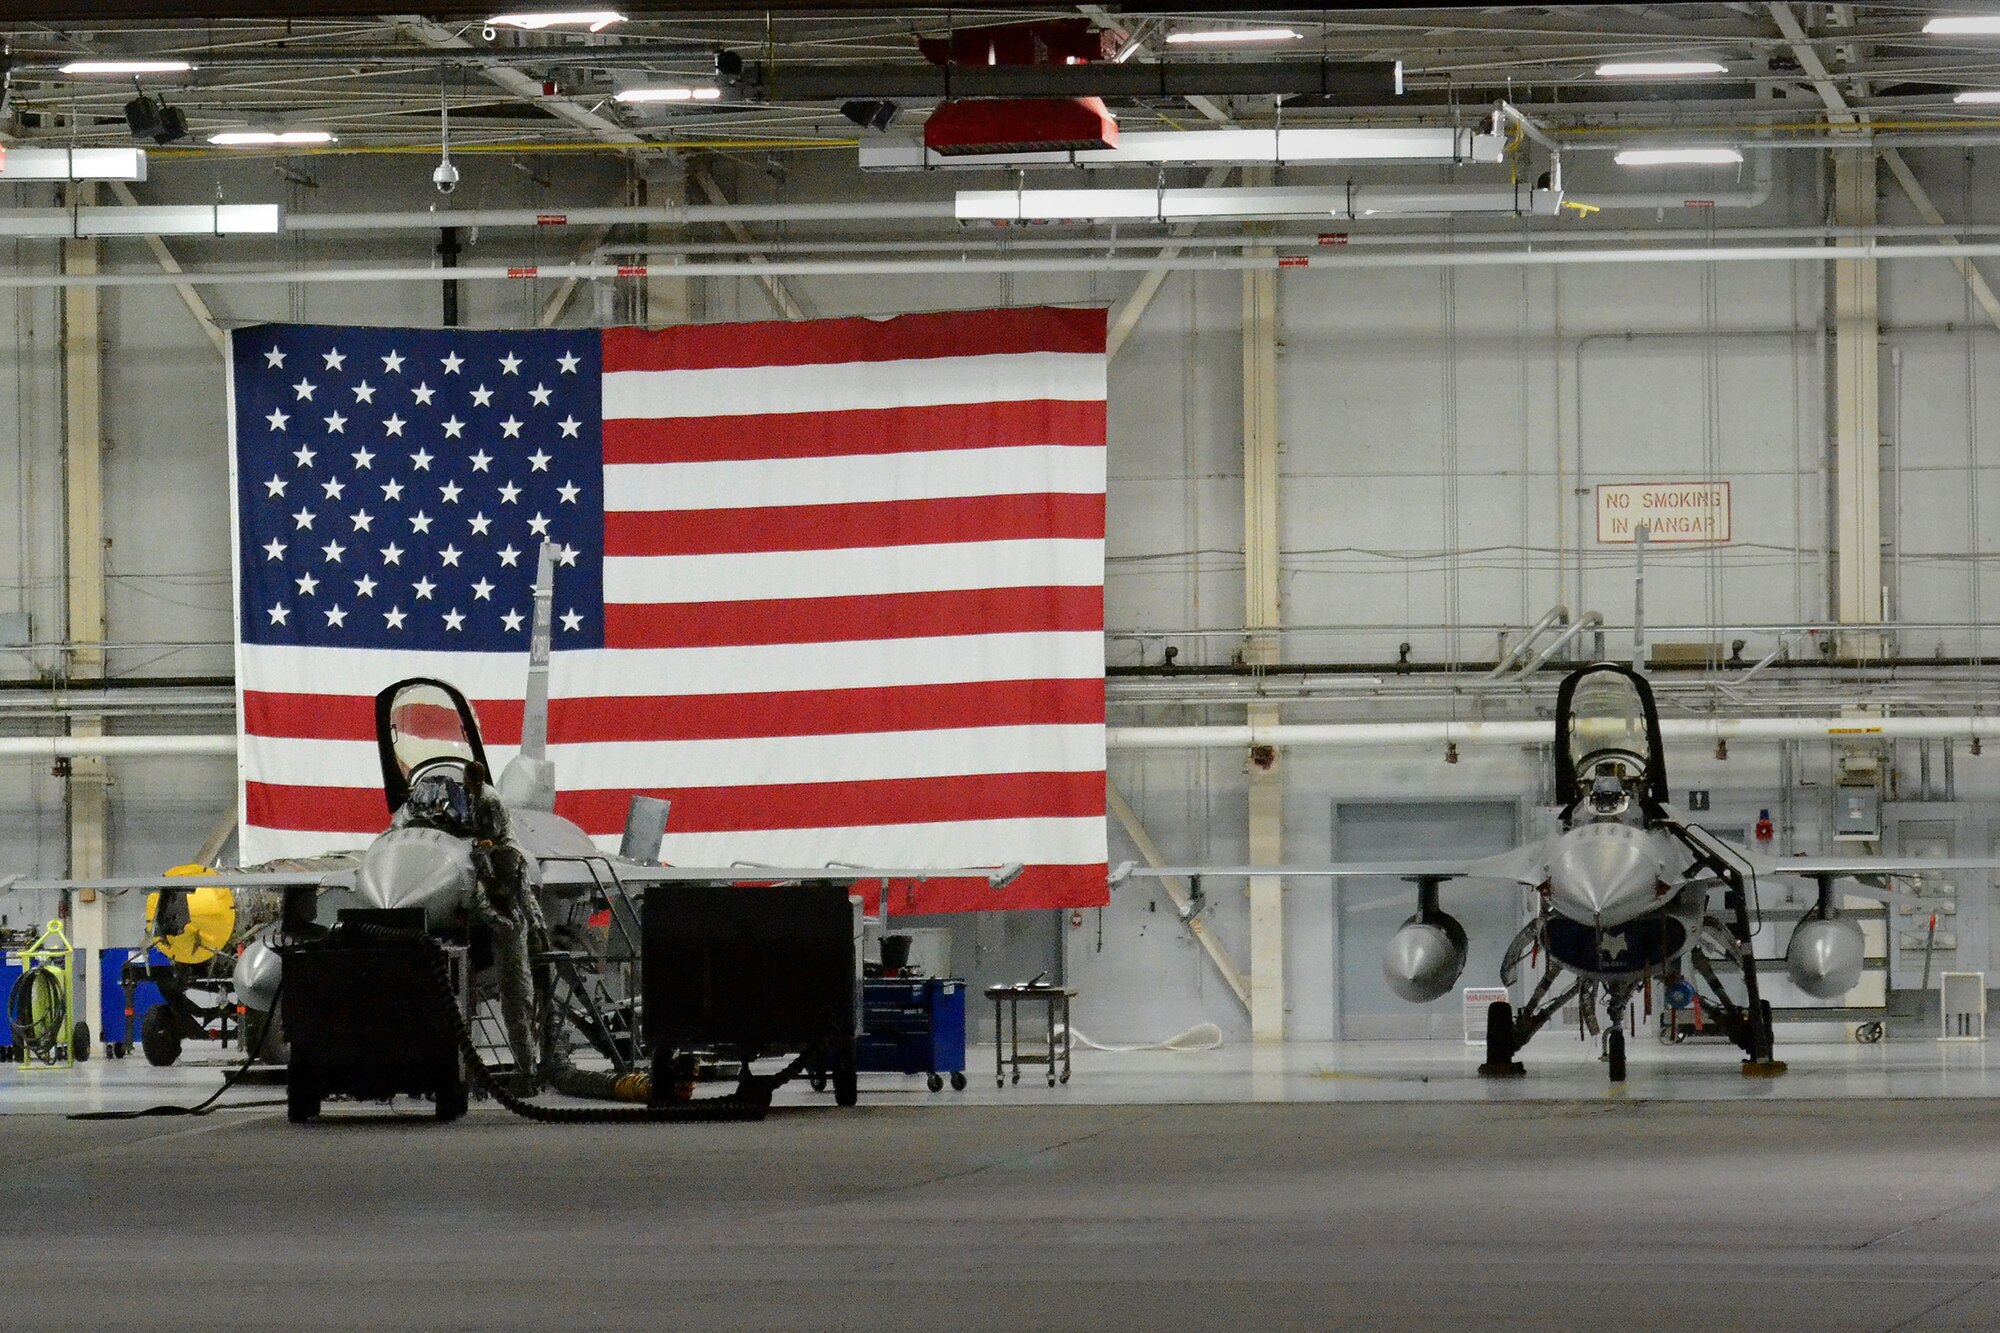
x=914, y=1026
x=1054, y=1052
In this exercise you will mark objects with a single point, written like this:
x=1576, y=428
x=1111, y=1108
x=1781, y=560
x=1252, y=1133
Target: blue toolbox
x=914, y=1025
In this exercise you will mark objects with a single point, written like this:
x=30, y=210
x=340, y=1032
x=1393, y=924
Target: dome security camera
x=445, y=177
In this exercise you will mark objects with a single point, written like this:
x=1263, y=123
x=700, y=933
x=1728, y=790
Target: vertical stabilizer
x=529, y=781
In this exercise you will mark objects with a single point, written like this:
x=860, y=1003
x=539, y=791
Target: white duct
x=1351, y=735
x=72, y=164
x=1196, y=204
x=113, y=747
x=143, y=220
x=1156, y=147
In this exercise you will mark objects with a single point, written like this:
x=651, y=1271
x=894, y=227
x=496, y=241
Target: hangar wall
x=1440, y=430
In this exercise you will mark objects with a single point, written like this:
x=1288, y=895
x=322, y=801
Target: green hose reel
x=41, y=1009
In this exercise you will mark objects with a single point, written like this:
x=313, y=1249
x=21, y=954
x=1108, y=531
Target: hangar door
x=1368, y=911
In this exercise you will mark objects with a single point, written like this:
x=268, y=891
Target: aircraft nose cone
x=418, y=867
x=1604, y=873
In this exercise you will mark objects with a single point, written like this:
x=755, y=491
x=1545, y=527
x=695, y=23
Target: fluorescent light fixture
x=261, y=138
x=145, y=220
x=127, y=67
x=1657, y=69
x=1669, y=157
x=1222, y=36
x=73, y=164
x=597, y=20
x=1964, y=25
x=642, y=95
x=1978, y=97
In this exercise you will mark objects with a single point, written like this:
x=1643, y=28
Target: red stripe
x=734, y=809
x=825, y=341
x=992, y=703
x=902, y=615
x=1037, y=887
x=885, y=430
x=838, y=527
x=850, y=804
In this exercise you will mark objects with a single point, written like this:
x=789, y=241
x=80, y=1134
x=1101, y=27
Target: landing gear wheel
x=935, y=1083
x=79, y=1041
x=958, y=1081
x=846, y=1085
x=301, y=1097
x=1500, y=1061
x=1616, y=1051
x=159, y=1038
x=451, y=1099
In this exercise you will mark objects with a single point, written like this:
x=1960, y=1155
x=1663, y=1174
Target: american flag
x=833, y=588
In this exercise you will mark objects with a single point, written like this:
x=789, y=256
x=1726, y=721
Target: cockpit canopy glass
x=1607, y=734
x=424, y=725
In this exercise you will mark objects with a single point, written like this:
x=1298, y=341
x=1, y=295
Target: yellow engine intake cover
x=211, y=920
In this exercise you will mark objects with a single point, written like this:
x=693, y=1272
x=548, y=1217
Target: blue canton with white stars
x=394, y=486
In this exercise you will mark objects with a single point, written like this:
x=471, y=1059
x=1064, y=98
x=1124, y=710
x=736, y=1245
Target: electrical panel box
x=1857, y=813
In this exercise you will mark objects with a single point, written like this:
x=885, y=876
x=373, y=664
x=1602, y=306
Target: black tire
x=935, y=1083
x=159, y=1037
x=79, y=1041
x=1617, y=1051
x=301, y=1097
x=451, y=1100
x=958, y=1081
x=818, y=1080
x=846, y=1083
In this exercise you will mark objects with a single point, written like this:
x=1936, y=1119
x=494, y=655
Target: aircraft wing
x=567, y=872
x=1886, y=866
x=228, y=879
x=1520, y=865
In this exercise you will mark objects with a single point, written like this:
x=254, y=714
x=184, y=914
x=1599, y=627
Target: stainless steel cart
x=1007, y=1048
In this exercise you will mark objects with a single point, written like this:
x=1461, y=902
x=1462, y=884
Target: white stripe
x=855, y=571
x=1028, y=469
x=666, y=672
x=853, y=385
x=751, y=762
x=984, y=842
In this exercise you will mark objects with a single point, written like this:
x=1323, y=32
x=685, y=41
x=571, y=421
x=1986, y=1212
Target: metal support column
x=83, y=487
x=1261, y=618
x=1857, y=453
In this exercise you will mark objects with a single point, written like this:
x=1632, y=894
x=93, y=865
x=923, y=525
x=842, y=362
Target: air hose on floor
x=38, y=1012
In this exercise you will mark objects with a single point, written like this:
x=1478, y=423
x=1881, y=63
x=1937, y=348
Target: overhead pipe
x=1555, y=615
x=114, y=747
x=1354, y=735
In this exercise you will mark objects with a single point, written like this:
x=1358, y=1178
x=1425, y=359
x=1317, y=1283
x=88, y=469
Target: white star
x=335, y=616
x=568, y=363
x=512, y=621
x=362, y=457
x=452, y=363
x=304, y=389
x=364, y=392
x=454, y=618
x=1613, y=946
x=274, y=489
x=334, y=359
x=333, y=488
x=423, y=393
x=334, y=550
x=572, y=620
x=278, y=419
x=364, y=586
x=566, y=555
x=450, y=555
x=481, y=396
x=483, y=590
x=510, y=429
x=394, y=617
x=449, y=492
x=508, y=555
x=420, y=522
x=361, y=518
x=452, y=427
x=393, y=363
x=423, y=588
x=570, y=426
x=278, y=614
x=480, y=461
x=539, y=526
x=479, y=524
x=392, y=554
x=538, y=461
x=304, y=455
x=392, y=424
x=305, y=518
x=541, y=394
x=569, y=490
x=307, y=584
x=274, y=550
x=275, y=359
x=421, y=460
x=510, y=364
x=335, y=424
x=509, y=493
x=392, y=490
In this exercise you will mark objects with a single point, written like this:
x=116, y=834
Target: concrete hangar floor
x=1370, y=1186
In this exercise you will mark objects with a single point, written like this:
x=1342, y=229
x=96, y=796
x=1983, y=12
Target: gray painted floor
x=1834, y=1215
